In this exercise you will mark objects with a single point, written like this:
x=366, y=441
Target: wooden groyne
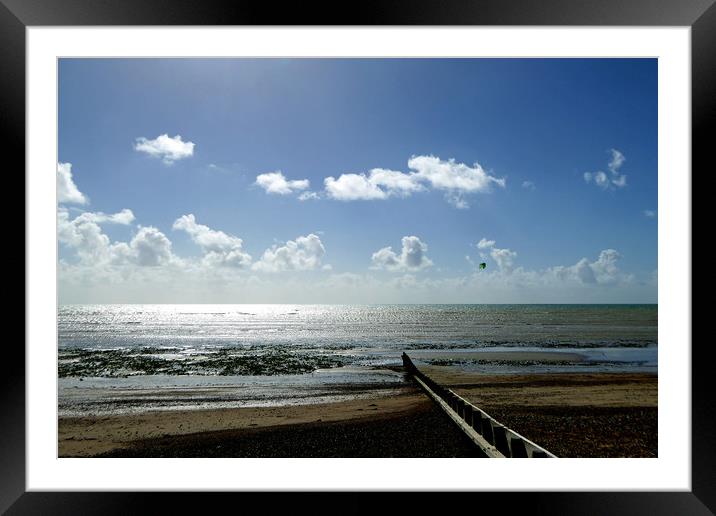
x=493, y=438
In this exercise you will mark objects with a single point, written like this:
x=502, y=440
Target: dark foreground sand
x=405, y=425
x=572, y=415
x=422, y=431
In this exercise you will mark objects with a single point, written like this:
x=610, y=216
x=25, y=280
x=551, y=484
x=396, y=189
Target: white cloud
x=149, y=247
x=650, y=213
x=219, y=248
x=455, y=179
x=411, y=258
x=583, y=271
x=304, y=253
x=276, y=183
x=353, y=187
x=85, y=236
x=528, y=185
x=603, y=270
x=605, y=181
x=168, y=149
x=124, y=217
x=504, y=258
x=307, y=196
x=67, y=191
x=449, y=175
x=378, y=184
x=396, y=183
x=616, y=161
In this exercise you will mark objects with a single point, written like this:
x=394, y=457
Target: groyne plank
x=493, y=438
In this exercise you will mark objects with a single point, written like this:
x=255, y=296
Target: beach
x=327, y=380
x=571, y=415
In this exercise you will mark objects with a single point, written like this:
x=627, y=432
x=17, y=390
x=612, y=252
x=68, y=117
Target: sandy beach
x=572, y=415
x=92, y=435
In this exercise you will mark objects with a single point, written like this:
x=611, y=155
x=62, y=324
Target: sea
x=134, y=358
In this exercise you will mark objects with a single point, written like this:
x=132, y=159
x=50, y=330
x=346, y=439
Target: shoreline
x=570, y=414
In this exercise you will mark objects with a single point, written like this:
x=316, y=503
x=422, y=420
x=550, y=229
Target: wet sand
x=571, y=415
x=506, y=356
x=93, y=435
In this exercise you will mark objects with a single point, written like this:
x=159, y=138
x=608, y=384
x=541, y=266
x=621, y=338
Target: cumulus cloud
x=276, y=183
x=353, y=187
x=168, y=149
x=219, y=248
x=69, y=230
x=67, y=191
x=395, y=183
x=452, y=176
x=380, y=183
x=504, y=258
x=609, y=181
x=411, y=258
x=85, y=236
x=148, y=247
x=304, y=253
x=455, y=179
x=603, y=270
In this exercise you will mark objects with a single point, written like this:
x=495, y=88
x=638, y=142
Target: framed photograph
x=286, y=251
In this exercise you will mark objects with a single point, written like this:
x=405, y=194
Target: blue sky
x=554, y=162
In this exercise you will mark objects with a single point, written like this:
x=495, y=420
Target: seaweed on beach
x=268, y=363
x=117, y=363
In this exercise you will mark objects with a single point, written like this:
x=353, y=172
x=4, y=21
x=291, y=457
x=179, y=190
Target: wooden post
x=518, y=449
x=469, y=414
x=487, y=430
x=501, y=440
x=477, y=421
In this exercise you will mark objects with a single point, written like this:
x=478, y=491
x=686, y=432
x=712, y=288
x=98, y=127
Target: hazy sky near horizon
x=357, y=180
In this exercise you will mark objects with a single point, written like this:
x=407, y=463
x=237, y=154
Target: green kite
x=483, y=265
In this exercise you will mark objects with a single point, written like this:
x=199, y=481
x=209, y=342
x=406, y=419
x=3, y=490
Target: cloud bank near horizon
x=146, y=265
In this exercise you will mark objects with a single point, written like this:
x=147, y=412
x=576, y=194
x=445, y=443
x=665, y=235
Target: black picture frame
x=700, y=15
